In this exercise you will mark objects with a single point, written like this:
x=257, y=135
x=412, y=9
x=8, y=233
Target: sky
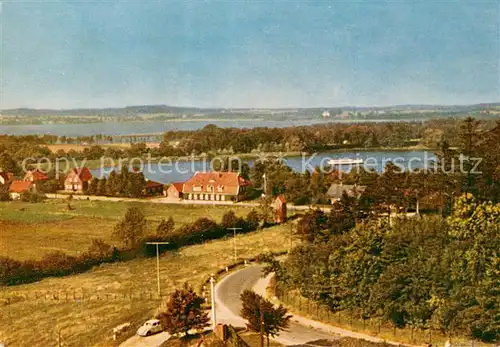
x=262, y=54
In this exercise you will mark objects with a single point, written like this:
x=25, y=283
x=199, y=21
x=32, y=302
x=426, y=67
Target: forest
x=213, y=140
x=440, y=273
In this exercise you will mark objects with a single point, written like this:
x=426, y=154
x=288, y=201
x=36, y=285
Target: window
x=196, y=188
x=210, y=188
x=220, y=189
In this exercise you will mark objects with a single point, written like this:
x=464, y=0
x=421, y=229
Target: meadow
x=28, y=231
x=84, y=308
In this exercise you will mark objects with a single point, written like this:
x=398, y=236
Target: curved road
x=228, y=304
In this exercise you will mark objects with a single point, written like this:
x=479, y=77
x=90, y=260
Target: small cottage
x=18, y=187
x=280, y=209
x=77, y=180
x=174, y=191
x=35, y=175
x=153, y=188
x=336, y=191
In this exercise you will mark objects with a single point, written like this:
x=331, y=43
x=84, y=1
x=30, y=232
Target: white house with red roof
x=174, y=191
x=18, y=187
x=215, y=186
x=77, y=180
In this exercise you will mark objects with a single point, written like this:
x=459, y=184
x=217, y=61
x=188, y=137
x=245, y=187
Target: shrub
x=253, y=220
x=32, y=197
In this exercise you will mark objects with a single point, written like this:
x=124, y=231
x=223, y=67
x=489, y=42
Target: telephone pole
x=158, y=262
x=234, y=241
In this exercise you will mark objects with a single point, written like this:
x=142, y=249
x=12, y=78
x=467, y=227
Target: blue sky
x=249, y=54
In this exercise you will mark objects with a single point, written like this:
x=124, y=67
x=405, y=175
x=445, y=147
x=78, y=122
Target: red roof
x=20, y=186
x=36, y=175
x=215, y=182
x=153, y=184
x=281, y=198
x=82, y=173
x=7, y=176
x=178, y=186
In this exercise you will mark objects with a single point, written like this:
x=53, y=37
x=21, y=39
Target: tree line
x=131, y=233
x=213, y=140
x=124, y=183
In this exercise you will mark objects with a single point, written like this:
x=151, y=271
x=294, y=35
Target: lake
x=168, y=172
x=125, y=128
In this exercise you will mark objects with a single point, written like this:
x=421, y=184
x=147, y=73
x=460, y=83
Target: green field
x=28, y=231
x=87, y=306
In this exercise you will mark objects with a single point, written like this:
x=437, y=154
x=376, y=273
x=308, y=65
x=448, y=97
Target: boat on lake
x=345, y=161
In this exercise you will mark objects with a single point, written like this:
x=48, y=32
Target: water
x=168, y=172
x=125, y=128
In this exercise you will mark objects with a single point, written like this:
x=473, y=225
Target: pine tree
x=92, y=188
x=101, y=186
x=111, y=184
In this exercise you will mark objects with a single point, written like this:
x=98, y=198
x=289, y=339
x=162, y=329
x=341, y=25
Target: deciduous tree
x=183, y=312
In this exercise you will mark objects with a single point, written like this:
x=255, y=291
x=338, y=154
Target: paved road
x=228, y=305
x=150, y=341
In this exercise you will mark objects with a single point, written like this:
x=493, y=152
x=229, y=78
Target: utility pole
x=158, y=262
x=234, y=241
x=212, y=285
x=265, y=185
x=261, y=326
x=59, y=337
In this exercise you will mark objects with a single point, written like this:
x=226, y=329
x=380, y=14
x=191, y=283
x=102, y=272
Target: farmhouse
x=153, y=188
x=77, y=180
x=335, y=191
x=174, y=191
x=217, y=186
x=35, y=175
x=18, y=187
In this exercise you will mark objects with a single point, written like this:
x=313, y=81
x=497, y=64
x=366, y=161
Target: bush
x=253, y=220
x=4, y=193
x=32, y=197
x=60, y=264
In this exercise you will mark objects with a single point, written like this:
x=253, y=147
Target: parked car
x=150, y=327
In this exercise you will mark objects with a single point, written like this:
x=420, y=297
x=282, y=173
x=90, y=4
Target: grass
x=115, y=293
x=28, y=231
x=253, y=340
